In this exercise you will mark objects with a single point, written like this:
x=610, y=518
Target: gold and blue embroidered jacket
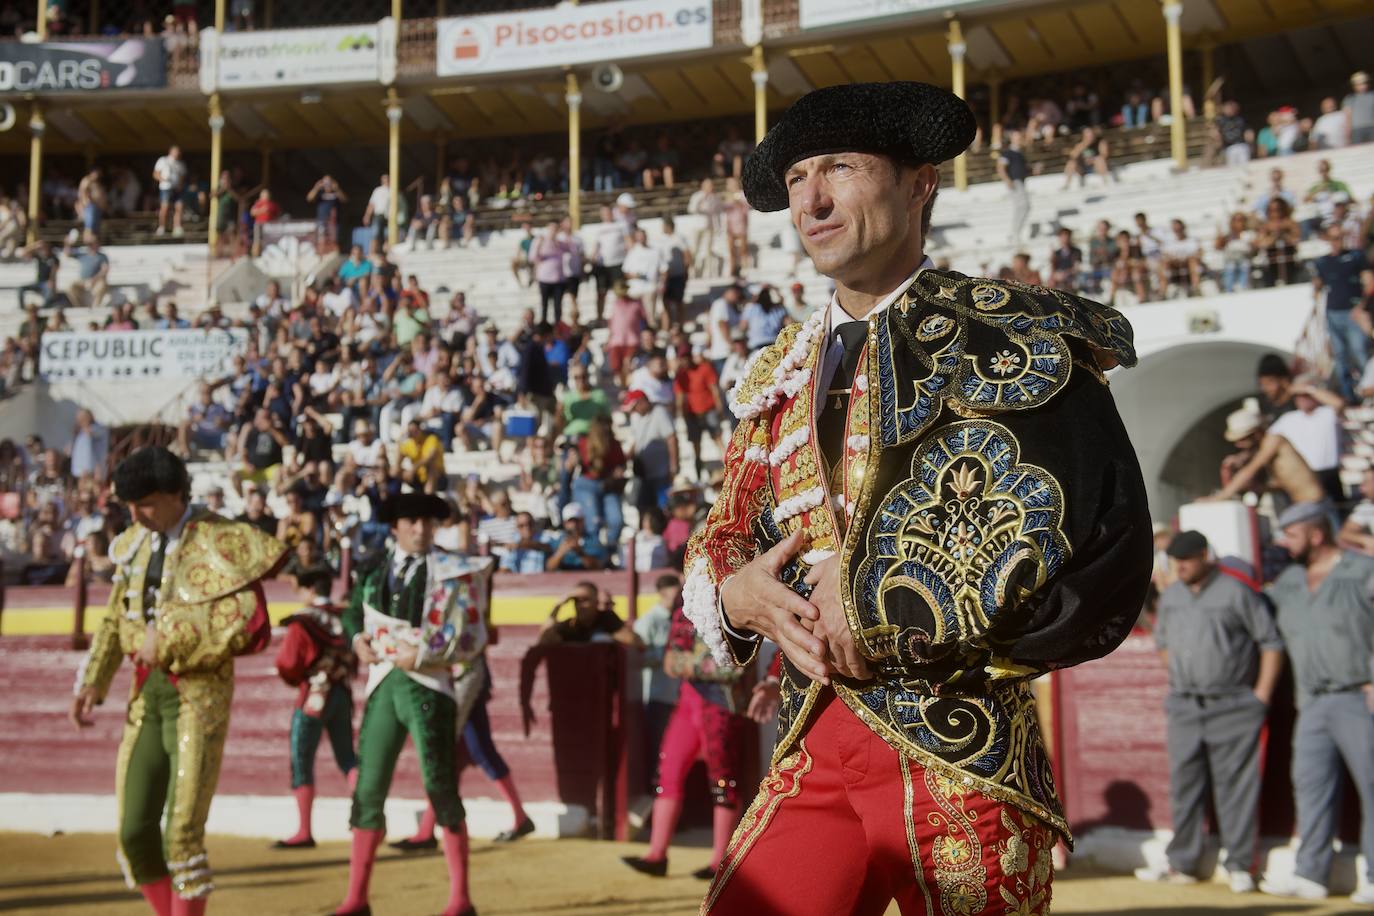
x=989, y=513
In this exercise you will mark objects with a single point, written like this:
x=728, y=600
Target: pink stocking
x=365, y=843
x=723, y=822
x=159, y=895
x=305, y=802
x=193, y=907
x=455, y=844
x=506, y=785
x=666, y=813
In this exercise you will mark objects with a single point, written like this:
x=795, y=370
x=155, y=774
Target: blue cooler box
x=521, y=424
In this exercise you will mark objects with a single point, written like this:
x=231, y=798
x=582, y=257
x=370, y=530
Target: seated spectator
x=1022, y=272
x=653, y=379
x=46, y=564
x=1263, y=462
x=426, y=223
x=592, y=621
x=85, y=519
x=1102, y=255
x=258, y=452
x=663, y=164
x=355, y=268
x=1065, y=261
x=482, y=418
x=1230, y=134
x=1180, y=261
x=99, y=567
x=1088, y=155
x=1083, y=109
x=1045, y=118
x=298, y=524
x=728, y=161
x=1276, y=190
x=1237, y=247
x=682, y=509
x=441, y=408
x=89, y=448
x=1277, y=237
x=572, y=547
x=91, y=289
x=650, y=552
x=527, y=553
x=206, y=426
x=1324, y=192
x=422, y=459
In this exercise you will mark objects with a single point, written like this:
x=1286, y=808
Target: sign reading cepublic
x=816, y=14
x=298, y=57
x=82, y=66
x=139, y=356
x=567, y=35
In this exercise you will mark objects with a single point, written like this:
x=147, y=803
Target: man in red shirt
x=697, y=389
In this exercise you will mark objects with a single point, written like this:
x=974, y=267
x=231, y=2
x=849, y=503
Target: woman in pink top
x=627, y=319
x=547, y=257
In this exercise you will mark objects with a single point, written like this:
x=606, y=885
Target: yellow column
x=1178, y=126
x=393, y=117
x=36, y=127
x=573, y=95
x=42, y=26
x=216, y=150
x=956, y=56
x=1209, y=102
x=396, y=11
x=219, y=16
x=760, y=77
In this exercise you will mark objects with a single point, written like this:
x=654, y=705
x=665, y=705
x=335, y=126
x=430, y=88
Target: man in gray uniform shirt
x=1326, y=615
x=1224, y=657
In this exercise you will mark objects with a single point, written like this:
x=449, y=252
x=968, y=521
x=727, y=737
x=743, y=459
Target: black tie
x=852, y=335
x=152, y=577
x=403, y=576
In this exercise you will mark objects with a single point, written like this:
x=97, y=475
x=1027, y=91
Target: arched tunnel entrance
x=1174, y=404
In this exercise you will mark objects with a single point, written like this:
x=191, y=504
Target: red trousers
x=845, y=825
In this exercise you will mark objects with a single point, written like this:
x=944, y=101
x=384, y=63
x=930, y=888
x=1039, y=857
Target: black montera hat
x=415, y=505
x=151, y=470
x=911, y=122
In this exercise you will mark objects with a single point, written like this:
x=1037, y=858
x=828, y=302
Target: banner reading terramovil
x=82, y=66
x=139, y=355
x=296, y=57
x=569, y=35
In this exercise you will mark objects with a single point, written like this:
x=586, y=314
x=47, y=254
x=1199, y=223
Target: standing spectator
x=1237, y=247
x=1224, y=656
x=499, y=531
x=1359, y=109
x=593, y=617
x=1180, y=260
x=1101, y=254
x=658, y=690
x=722, y=320
x=1089, y=154
x=326, y=195
x=642, y=269
x=706, y=203
x=736, y=212
x=92, y=286
x=1338, y=273
x=697, y=388
x=600, y=483
x=256, y=513
x=90, y=447
x=1011, y=168
x=91, y=204
x=627, y=321
x=653, y=450
x=608, y=255
x=263, y=211
x=378, y=211
x=1065, y=261
x=1314, y=429
x=534, y=380
x=170, y=174
x=547, y=258
x=653, y=379
x=1278, y=237
x=676, y=260
x=764, y=319
x=1330, y=131
x=1325, y=604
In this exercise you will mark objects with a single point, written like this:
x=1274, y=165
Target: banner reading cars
x=82, y=66
x=815, y=14
x=142, y=356
x=296, y=57
x=564, y=35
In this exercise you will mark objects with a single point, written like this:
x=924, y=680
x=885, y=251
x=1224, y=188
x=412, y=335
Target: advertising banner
x=82, y=66
x=569, y=35
x=817, y=14
x=139, y=355
x=298, y=57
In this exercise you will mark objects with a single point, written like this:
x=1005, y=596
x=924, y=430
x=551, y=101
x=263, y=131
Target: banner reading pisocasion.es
x=569, y=35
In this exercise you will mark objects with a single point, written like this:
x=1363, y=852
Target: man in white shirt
x=338, y=299
x=1314, y=429
x=676, y=260
x=439, y=408
x=721, y=321
x=609, y=247
x=1330, y=130
x=379, y=210
x=272, y=302
x=642, y=268
x=170, y=174
x=653, y=380
x=1180, y=260
x=367, y=451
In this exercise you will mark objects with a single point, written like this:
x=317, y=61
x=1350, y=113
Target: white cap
x=626, y=199
x=571, y=511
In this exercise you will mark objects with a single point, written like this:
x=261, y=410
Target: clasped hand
x=814, y=635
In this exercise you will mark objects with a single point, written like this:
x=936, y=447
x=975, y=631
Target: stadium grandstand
x=328, y=252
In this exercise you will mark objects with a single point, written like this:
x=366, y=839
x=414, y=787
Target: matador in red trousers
x=930, y=499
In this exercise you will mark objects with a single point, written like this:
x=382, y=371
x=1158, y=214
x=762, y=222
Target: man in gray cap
x=1224, y=657
x=1326, y=615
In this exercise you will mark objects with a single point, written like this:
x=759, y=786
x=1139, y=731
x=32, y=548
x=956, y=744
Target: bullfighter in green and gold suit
x=186, y=599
